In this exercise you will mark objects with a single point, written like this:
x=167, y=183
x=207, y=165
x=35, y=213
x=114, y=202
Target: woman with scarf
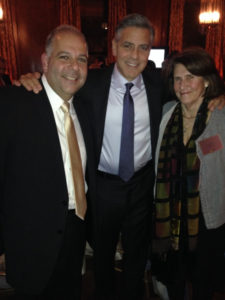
x=189, y=208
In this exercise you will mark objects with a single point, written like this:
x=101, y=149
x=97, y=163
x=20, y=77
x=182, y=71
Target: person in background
x=189, y=206
x=42, y=206
x=123, y=205
x=4, y=78
x=98, y=63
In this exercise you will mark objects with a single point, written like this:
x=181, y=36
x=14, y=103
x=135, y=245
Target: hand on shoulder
x=218, y=102
x=30, y=81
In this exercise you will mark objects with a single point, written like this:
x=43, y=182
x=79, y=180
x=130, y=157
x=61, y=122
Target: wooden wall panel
x=192, y=36
x=93, y=14
x=34, y=20
x=158, y=13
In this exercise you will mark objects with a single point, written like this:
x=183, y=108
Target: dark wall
x=35, y=19
x=192, y=34
x=158, y=13
x=93, y=16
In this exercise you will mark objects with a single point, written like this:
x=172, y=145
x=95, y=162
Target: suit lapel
x=47, y=126
x=102, y=107
x=100, y=89
x=153, y=91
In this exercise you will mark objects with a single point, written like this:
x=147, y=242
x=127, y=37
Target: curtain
x=8, y=30
x=215, y=38
x=70, y=13
x=117, y=9
x=176, y=25
x=223, y=39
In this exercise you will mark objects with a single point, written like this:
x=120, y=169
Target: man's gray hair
x=135, y=20
x=58, y=30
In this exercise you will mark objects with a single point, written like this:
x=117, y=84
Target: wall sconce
x=209, y=13
x=1, y=14
x=209, y=17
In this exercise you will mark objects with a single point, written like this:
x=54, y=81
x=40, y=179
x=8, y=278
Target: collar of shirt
x=118, y=81
x=55, y=100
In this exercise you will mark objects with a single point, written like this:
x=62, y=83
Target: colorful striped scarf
x=177, y=203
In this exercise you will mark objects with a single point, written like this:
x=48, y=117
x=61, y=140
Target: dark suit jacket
x=6, y=79
x=95, y=94
x=33, y=191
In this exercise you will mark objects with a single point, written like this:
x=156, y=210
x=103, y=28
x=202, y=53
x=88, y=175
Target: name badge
x=211, y=144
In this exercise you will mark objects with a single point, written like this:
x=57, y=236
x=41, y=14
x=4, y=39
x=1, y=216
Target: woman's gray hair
x=58, y=30
x=135, y=20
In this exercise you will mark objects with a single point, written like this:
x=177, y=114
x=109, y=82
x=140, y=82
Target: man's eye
x=64, y=57
x=145, y=47
x=127, y=46
x=82, y=60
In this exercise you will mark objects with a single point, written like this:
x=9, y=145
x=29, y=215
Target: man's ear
x=44, y=61
x=114, y=47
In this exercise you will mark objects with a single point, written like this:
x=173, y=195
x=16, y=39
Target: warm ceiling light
x=210, y=11
x=1, y=13
x=209, y=17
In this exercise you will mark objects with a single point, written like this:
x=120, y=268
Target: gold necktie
x=76, y=165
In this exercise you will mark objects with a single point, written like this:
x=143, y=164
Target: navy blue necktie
x=126, y=164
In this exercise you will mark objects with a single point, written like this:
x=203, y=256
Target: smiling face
x=65, y=67
x=132, y=51
x=188, y=88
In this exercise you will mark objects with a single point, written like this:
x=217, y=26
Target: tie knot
x=65, y=107
x=129, y=86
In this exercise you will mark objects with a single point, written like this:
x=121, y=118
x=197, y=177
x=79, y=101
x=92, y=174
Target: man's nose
x=134, y=53
x=74, y=64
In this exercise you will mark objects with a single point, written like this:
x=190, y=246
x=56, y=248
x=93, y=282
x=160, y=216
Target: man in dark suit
x=124, y=205
x=42, y=229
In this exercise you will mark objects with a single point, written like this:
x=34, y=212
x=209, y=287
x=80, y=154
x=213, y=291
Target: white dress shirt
x=56, y=101
x=110, y=152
